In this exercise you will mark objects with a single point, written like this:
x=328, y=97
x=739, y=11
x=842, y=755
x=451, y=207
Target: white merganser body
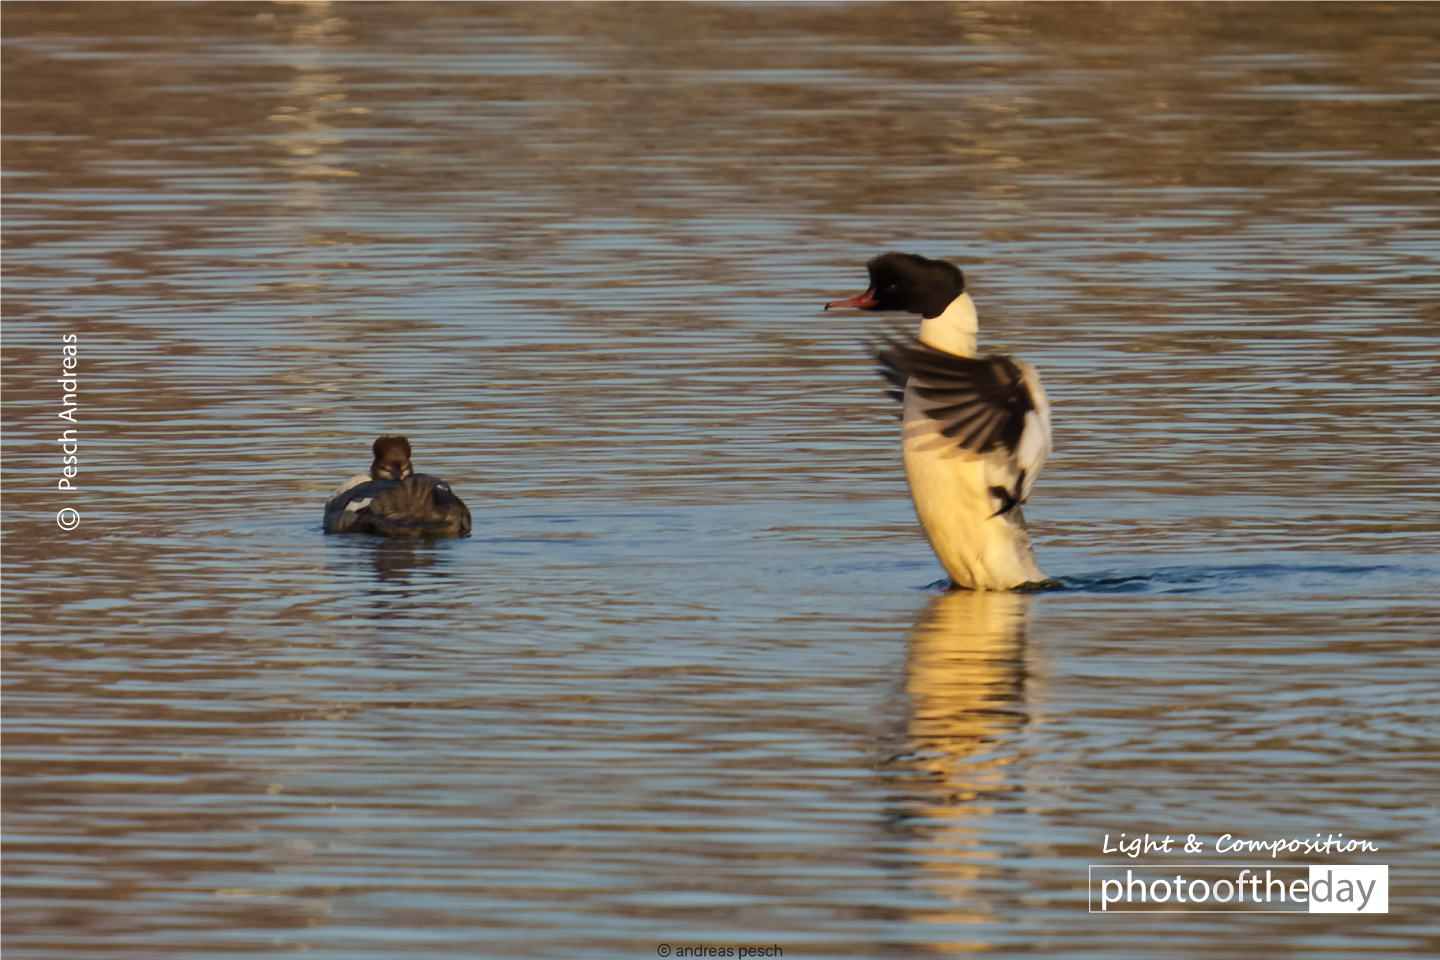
x=976, y=431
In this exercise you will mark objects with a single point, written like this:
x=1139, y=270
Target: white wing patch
x=354, y=481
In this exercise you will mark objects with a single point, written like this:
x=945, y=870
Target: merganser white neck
x=954, y=330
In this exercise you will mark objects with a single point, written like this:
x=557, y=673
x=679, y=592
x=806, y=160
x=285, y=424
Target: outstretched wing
x=979, y=402
x=986, y=405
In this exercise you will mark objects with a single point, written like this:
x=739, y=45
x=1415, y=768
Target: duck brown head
x=392, y=459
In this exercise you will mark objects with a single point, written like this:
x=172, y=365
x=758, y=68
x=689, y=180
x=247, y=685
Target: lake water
x=687, y=684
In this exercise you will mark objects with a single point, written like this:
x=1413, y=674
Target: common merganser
x=392, y=500
x=976, y=430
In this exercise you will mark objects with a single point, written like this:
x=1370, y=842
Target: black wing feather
x=980, y=402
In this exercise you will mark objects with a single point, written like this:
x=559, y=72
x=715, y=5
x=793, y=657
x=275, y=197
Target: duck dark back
x=419, y=506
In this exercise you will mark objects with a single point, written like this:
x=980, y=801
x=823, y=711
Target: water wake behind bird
x=1243, y=578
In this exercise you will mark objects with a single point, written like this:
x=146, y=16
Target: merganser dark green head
x=910, y=283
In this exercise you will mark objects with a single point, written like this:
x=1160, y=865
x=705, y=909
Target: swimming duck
x=976, y=430
x=392, y=500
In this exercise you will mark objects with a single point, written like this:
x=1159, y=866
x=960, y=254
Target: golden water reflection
x=966, y=676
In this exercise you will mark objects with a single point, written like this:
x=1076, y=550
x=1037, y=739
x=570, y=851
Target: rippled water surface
x=686, y=683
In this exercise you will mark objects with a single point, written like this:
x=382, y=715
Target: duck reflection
x=965, y=678
x=396, y=560
x=408, y=576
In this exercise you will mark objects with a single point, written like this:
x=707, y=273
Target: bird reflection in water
x=396, y=560
x=409, y=577
x=965, y=678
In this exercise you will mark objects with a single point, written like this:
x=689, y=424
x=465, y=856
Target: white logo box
x=1343, y=888
x=1350, y=888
